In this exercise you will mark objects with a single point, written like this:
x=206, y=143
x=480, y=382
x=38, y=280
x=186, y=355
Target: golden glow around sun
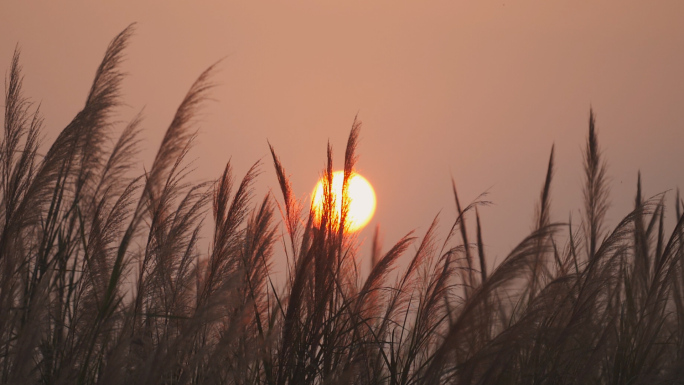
x=361, y=200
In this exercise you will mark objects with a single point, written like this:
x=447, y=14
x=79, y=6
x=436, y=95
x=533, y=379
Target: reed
x=102, y=280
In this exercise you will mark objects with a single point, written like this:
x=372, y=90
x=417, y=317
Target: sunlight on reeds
x=101, y=279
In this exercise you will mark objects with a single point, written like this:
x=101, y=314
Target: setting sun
x=361, y=200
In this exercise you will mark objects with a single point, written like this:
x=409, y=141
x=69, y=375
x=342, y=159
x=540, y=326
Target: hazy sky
x=477, y=90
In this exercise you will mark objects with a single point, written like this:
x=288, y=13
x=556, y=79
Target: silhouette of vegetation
x=102, y=282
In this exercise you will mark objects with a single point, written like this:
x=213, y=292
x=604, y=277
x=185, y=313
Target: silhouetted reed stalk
x=101, y=279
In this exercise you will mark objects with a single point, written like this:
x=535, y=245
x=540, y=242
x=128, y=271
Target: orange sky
x=475, y=89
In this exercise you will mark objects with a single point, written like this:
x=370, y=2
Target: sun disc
x=362, y=200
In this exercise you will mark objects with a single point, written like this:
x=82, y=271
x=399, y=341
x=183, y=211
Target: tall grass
x=101, y=279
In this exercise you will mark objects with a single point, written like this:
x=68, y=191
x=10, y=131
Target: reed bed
x=102, y=282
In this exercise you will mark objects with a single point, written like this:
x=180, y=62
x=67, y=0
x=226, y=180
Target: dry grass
x=101, y=280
